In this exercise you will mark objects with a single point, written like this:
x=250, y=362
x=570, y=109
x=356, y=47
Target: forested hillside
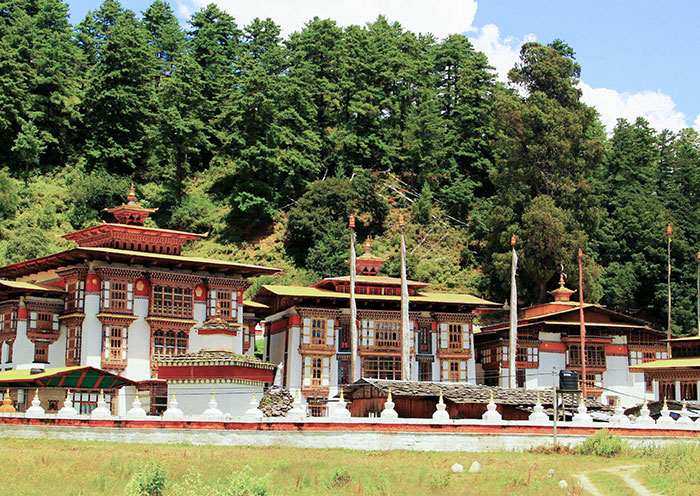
x=268, y=143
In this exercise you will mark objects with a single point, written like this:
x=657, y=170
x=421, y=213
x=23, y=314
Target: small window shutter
x=105, y=294
x=212, y=303
x=443, y=336
x=445, y=370
x=130, y=296
x=465, y=336
x=330, y=331
x=124, y=342
x=106, y=345
x=306, y=332
x=370, y=333
x=412, y=334
x=307, y=371
x=325, y=372
x=56, y=324
x=32, y=320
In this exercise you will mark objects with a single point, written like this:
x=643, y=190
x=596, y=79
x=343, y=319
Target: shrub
x=244, y=483
x=149, y=481
x=602, y=443
x=340, y=478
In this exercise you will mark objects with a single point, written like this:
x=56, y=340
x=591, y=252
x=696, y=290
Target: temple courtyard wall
x=363, y=434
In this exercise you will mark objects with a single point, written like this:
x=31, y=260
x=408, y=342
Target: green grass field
x=39, y=467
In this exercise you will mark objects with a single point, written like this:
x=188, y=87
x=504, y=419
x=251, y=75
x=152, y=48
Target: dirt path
x=624, y=472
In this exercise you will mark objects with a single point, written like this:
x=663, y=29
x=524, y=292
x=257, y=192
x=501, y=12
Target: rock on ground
x=475, y=468
x=457, y=468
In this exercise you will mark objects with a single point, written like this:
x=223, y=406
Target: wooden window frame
x=117, y=296
x=168, y=342
x=115, y=342
x=318, y=332
x=223, y=303
x=454, y=337
x=41, y=351
x=380, y=367
x=74, y=339
x=171, y=301
x=387, y=334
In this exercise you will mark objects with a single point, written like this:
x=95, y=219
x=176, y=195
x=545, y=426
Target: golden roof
x=310, y=292
x=669, y=363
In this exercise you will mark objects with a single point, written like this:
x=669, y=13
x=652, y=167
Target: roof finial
x=562, y=276
x=131, y=199
x=368, y=246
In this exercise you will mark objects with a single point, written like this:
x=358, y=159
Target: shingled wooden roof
x=459, y=392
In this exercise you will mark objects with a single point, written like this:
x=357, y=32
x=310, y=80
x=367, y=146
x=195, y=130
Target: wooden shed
x=414, y=399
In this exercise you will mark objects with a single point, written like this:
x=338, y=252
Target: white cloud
x=502, y=53
x=656, y=107
x=697, y=123
x=440, y=17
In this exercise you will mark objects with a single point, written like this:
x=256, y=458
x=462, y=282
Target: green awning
x=80, y=377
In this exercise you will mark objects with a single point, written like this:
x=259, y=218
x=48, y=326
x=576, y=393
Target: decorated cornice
x=72, y=273
x=44, y=306
x=310, y=312
x=394, y=315
x=465, y=318
x=245, y=382
x=167, y=277
x=168, y=322
x=119, y=273
x=226, y=282
x=112, y=318
x=71, y=318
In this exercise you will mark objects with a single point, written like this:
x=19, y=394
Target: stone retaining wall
x=417, y=435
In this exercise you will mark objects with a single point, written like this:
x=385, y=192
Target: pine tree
x=119, y=103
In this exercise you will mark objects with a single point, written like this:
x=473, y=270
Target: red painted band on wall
x=191, y=372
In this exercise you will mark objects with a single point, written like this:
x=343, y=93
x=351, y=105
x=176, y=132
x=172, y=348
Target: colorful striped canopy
x=81, y=377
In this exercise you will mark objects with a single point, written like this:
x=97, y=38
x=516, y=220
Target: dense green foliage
x=269, y=143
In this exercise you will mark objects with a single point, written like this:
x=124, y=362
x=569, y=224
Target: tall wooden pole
x=513, y=335
x=669, y=231
x=698, y=294
x=584, y=386
x=354, y=363
x=405, y=323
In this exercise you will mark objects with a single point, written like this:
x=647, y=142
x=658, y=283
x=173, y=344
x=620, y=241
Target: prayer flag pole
x=584, y=386
x=513, y=336
x=354, y=365
x=405, y=324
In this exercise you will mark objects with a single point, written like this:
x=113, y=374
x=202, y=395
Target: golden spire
x=580, y=398
x=388, y=398
x=665, y=404
x=644, y=404
x=441, y=400
x=342, y=398
x=351, y=221
x=368, y=247
x=402, y=221
x=131, y=199
x=538, y=396
x=491, y=397
x=684, y=406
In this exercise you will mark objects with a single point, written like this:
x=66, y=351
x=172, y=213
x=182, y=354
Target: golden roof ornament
x=402, y=221
x=513, y=240
x=665, y=404
x=441, y=400
x=351, y=221
x=131, y=197
x=491, y=397
x=388, y=398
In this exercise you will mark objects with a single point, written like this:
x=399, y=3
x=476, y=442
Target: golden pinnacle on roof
x=665, y=404
x=368, y=246
x=388, y=397
x=342, y=398
x=644, y=404
x=684, y=406
x=351, y=221
x=131, y=198
x=580, y=398
x=441, y=400
x=491, y=397
x=212, y=394
x=538, y=397
x=252, y=395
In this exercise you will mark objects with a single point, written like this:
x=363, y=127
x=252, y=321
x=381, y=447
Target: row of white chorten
x=340, y=412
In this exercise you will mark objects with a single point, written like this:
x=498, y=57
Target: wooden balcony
x=316, y=349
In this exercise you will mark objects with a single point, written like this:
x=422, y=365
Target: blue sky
x=638, y=58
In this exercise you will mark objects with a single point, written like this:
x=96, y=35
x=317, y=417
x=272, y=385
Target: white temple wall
x=294, y=360
x=199, y=313
x=471, y=363
x=57, y=350
x=532, y=379
x=91, y=348
x=138, y=365
x=23, y=349
x=549, y=361
x=231, y=399
x=618, y=378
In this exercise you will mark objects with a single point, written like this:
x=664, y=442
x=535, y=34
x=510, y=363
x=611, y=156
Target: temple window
x=454, y=370
x=344, y=369
x=73, y=344
x=381, y=367
x=424, y=341
x=41, y=352
x=344, y=342
x=667, y=390
x=75, y=296
x=689, y=390
x=115, y=341
x=223, y=303
x=455, y=336
x=169, y=342
x=117, y=296
x=318, y=331
x=425, y=368
x=43, y=321
x=8, y=321
x=595, y=356
x=316, y=371
x=171, y=301
x=453, y=375
x=387, y=334
x=10, y=348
